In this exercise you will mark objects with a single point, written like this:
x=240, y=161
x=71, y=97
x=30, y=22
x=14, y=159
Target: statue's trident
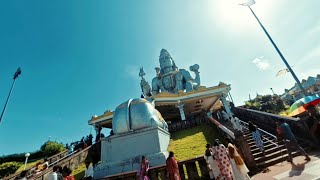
x=142, y=73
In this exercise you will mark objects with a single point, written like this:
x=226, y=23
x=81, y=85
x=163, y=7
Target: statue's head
x=166, y=60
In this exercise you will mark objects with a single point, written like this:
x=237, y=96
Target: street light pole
x=272, y=91
x=25, y=162
x=15, y=76
x=277, y=49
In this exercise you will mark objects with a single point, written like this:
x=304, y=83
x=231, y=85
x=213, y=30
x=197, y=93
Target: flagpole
x=17, y=73
x=277, y=49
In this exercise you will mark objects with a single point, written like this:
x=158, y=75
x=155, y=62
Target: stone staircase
x=274, y=152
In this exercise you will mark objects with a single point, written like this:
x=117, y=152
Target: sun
x=233, y=15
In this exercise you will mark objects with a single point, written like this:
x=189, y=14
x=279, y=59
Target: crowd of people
x=83, y=143
x=60, y=173
x=225, y=163
x=172, y=168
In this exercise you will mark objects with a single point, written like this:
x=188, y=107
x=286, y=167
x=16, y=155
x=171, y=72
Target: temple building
x=173, y=97
x=311, y=85
x=175, y=94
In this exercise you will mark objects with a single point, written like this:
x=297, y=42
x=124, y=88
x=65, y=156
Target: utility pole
x=15, y=76
x=276, y=47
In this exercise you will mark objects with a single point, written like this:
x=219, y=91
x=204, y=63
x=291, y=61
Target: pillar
x=181, y=110
x=226, y=105
x=97, y=129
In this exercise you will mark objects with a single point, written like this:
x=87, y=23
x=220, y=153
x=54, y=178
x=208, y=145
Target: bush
x=8, y=168
x=267, y=103
x=21, y=157
x=50, y=148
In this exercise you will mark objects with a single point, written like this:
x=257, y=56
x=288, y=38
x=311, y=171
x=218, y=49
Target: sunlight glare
x=231, y=13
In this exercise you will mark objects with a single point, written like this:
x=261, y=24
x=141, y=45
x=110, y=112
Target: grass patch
x=29, y=165
x=192, y=142
x=78, y=173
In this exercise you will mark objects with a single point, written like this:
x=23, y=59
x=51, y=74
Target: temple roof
x=195, y=102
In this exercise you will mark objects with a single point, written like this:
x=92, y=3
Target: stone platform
x=122, y=153
x=298, y=170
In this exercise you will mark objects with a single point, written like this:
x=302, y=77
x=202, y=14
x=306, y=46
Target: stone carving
x=169, y=78
x=145, y=87
x=136, y=114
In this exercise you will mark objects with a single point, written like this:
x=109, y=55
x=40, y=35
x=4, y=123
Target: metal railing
x=56, y=162
x=245, y=125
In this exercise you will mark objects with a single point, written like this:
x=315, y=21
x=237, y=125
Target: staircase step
x=255, y=149
x=252, y=143
x=269, y=151
x=272, y=155
x=276, y=160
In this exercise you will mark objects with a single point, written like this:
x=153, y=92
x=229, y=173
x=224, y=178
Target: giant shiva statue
x=171, y=79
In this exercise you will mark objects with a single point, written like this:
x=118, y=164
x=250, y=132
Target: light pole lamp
x=272, y=91
x=15, y=76
x=25, y=163
x=248, y=4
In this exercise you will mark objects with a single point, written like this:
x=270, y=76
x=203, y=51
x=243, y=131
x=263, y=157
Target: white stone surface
x=122, y=153
x=310, y=172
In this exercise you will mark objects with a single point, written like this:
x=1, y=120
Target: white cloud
x=261, y=63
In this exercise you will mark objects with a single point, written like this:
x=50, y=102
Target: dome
x=136, y=114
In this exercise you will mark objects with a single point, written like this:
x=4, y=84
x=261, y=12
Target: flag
x=246, y=2
x=17, y=73
x=282, y=72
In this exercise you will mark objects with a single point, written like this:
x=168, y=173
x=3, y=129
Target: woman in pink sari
x=142, y=173
x=221, y=155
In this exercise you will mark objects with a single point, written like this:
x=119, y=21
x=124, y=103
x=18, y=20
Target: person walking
x=60, y=173
x=142, y=173
x=88, y=173
x=257, y=137
x=239, y=168
x=313, y=121
x=23, y=175
x=172, y=167
x=211, y=163
x=221, y=155
x=290, y=140
x=54, y=175
x=68, y=175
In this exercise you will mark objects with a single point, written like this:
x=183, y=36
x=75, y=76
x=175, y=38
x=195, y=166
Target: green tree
x=267, y=103
x=8, y=168
x=50, y=148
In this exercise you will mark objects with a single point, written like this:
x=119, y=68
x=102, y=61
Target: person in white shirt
x=236, y=123
x=88, y=173
x=23, y=175
x=54, y=175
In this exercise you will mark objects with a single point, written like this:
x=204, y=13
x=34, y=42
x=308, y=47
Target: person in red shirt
x=172, y=167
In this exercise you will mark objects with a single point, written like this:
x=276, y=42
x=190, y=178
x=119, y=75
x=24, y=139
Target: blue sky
x=80, y=58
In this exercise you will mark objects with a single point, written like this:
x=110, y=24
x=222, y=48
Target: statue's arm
x=186, y=75
x=155, y=87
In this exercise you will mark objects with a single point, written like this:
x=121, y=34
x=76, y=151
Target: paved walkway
x=298, y=170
